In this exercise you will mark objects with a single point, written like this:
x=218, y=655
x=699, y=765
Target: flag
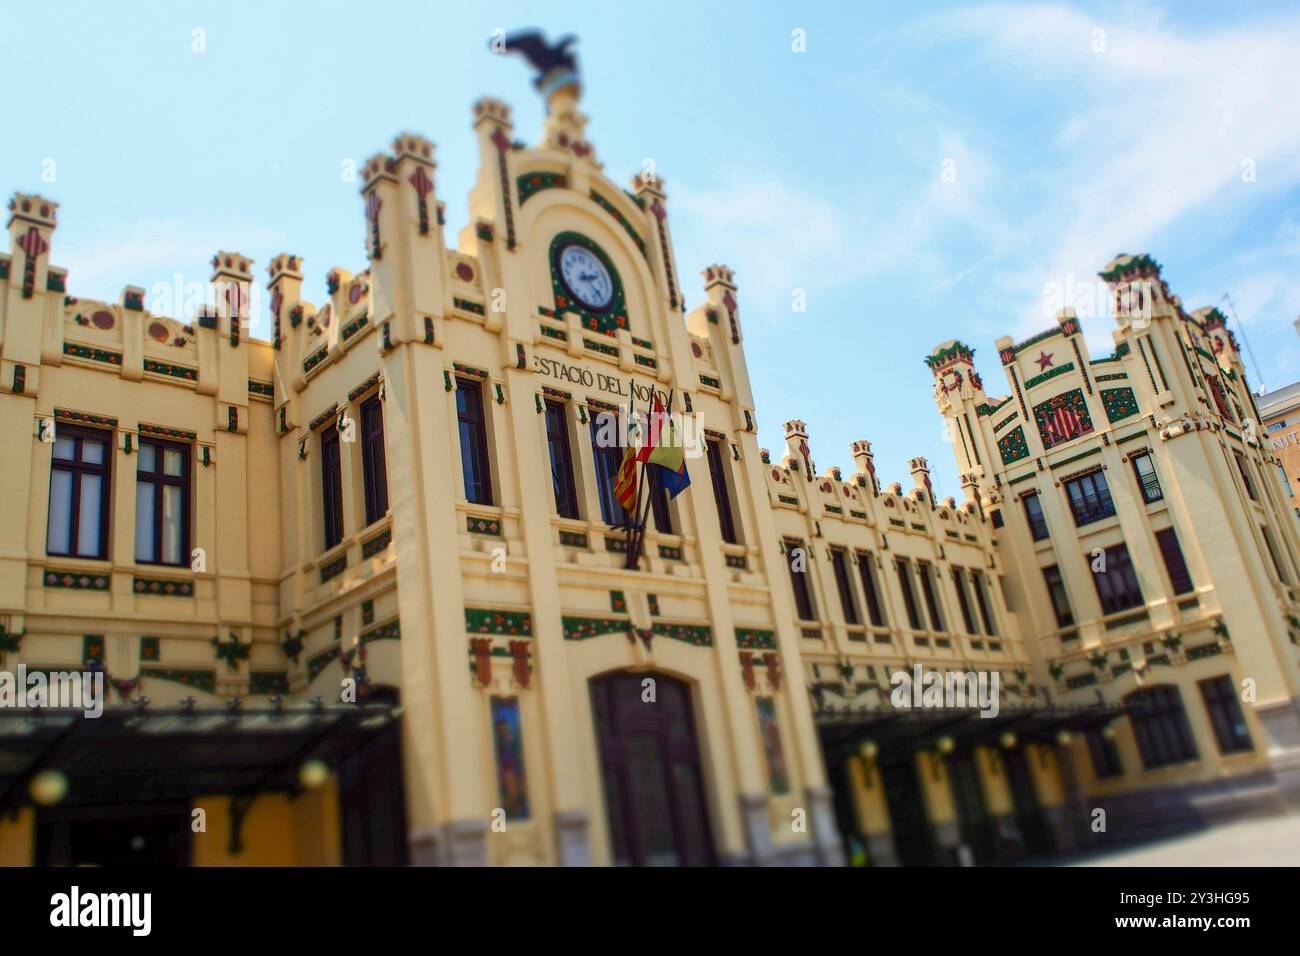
x=674, y=482
x=625, y=481
x=670, y=458
x=652, y=431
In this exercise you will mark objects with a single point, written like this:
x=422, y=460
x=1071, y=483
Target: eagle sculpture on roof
x=544, y=57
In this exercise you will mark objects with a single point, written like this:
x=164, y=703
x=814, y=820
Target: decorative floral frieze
x=163, y=587
x=489, y=621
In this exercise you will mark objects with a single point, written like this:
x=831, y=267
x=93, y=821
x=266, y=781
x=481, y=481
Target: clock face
x=586, y=277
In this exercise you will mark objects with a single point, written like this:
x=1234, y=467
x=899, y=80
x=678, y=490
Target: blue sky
x=822, y=170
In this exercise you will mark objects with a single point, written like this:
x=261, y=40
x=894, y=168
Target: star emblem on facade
x=1044, y=359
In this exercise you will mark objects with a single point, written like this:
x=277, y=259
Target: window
x=997, y=518
x=557, y=443
x=659, y=508
x=162, y=502
x=1230, y=730
x=331, y=486
x=845, y=586
x=1060, y=599
x=1104, y=753
x=1244, y=470
x=607, y=460
x=1145, y=470
x=1272, y=553
x=926, y=571
x=982, y=600
x=1276, y=427
x=963, y=601
x=1286, y=482
x=1089, y=498
x=374, y=466
x=474, y=462
x=1034, y=513
x=1117, y=586
x=803, y=602
x=909, y=596
x=1160, y=724
x=1174, y=563
x=718, y=477
x=79, y=479
x=867, y=573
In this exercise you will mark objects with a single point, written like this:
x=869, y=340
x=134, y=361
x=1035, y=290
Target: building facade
x=363, y=588
x=1150, y=546
x=1280, y=413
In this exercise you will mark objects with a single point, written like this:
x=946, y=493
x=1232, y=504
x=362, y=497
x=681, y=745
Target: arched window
x=1160, y=724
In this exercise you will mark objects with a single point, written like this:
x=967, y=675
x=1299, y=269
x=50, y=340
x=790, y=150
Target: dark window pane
x=845, y=586
x=963, y=601
x=909, y=596
x=926, y=572
x=982, y=600
x=77, y=521
x=718, y=477
x=1060, y=600
x=1104, y=753
x=162, y=497
x=557, y=443
x=1230, y=730
x=797, y=560
x=1117, y=586
x=1145, y=470
x=607, y=461
x=1160, y=725
x=1089, y=498
x=1174, y=563
x=474, y=460
x=1034, y=513
x=374, y=464
x=331, y=486
x=867, y=574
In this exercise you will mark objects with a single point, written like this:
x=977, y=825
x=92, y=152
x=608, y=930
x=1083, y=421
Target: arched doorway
x=650, y=768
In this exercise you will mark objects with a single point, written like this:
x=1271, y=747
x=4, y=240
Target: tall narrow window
x=1060, y=599
x=1244, y=470
x=374, y=465
x=1104, y=753
x=963, y=600
x=331, y=486
x=79, y=477
x=557, y=443
x=1090, y=498
x=1174, y=563
x=474, y=461
x=1117, y=586
x=797, y=560
x=926, y=572
x=659, y=507
x=1272, y=553
x=1160, y=724
x=721, y=494
x=607, y=459
x=1286, y=482
x=162, y=502
x=982, y=599
x=1230, y=730
x=867, y=573
x=845, y=586
x=1034, y=514
x=1145, y=470
x=909, y=596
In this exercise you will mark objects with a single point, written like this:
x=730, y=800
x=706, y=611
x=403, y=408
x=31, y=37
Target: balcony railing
x=1150, y=488
x=1090, y=508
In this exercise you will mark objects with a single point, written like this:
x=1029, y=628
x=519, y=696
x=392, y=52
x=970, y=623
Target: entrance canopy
x=844, y=731
x=140, y=755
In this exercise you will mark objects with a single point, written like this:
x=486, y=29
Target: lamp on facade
x=1064, y=738
x=868, y=752
x=1007, y=740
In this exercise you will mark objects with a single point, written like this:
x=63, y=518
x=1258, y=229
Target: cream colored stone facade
x=1280, y=412
x=458, y=603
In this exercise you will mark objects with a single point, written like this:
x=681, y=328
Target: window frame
x=1160, y=726
x=803, y=597
x=374, y=460
x=984, y=601
x=1149, y=484
x=926, y=572
x=1127, y=575
x=1083, y=508
x=718, y=478
x=1181, y=583
x=606, y=463
x=963, y=601
x=77, y=468
x=564, y=482
x=1104, y=753
x=870, y=587
x=1054, y=580
x=910, y=604
x=1231, y=732
x=844, y=584
x=477, y=456
x=1037, y=520
x=331, y=485
x=161, y=480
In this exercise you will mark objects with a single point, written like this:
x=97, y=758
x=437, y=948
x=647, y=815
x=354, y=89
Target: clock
x=585, y=277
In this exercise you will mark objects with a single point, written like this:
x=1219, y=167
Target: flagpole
x=654, y=481
x=631, y=562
